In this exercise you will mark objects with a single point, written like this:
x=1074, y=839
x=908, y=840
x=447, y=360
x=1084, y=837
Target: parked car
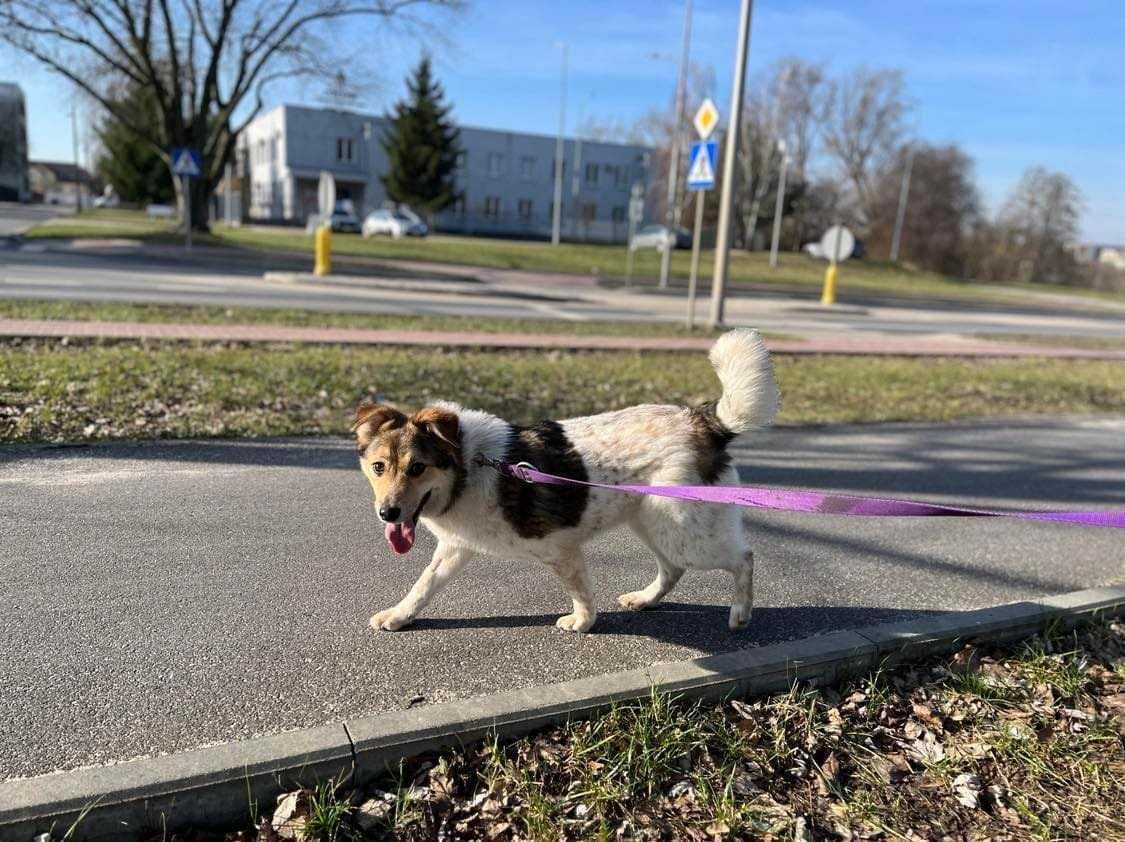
x=394, y=222
x=660, y=237
x=344, y=219
x=108, y=199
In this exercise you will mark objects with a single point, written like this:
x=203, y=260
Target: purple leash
x=816, y=502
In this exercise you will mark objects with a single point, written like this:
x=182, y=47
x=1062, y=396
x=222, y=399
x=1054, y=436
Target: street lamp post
x=556, y=222
x=780, y=203
x=903, y=195
x=730, y=159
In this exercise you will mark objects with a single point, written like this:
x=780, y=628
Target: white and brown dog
x=430, y=468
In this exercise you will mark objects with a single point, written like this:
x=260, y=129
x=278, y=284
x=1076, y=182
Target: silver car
x=660, y=237
x=394, y=222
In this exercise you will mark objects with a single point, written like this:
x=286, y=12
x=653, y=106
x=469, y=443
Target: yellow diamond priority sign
x=706, y=118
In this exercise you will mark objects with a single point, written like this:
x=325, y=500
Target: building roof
x=64, y=172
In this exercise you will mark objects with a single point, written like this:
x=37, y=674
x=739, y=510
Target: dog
x=432, y=468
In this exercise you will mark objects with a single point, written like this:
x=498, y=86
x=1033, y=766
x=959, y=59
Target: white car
x=659, y=237
x=400, y=222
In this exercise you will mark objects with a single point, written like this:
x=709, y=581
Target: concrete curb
x=216, y=785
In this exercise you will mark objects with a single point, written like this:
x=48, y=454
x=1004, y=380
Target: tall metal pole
x=672, y=212
x=556, y=223
x=700, y=198
x=780, y=207
x=77, y=168
x=903, y=195
x=730, y=159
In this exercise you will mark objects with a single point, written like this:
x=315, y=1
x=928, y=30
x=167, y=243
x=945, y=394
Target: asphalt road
x=117, y=276
x=162, y=596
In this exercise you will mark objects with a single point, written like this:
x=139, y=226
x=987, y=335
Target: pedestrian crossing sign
x=701, y=165
x=186, y=162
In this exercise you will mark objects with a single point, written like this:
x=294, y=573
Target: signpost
x=700, y=178
x=636, y=215
x=187, y=164
x=838, y=243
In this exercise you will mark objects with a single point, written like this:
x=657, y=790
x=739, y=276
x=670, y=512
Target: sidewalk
x=915, y=346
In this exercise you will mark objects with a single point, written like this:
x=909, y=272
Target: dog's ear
x=444, y=426
x=370, y=418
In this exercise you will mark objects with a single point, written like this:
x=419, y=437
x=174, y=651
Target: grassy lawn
x=794, y=271
x=176, y=313
x=55, y=392
x=1020, y=742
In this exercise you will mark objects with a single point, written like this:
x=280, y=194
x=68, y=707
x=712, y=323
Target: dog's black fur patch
x=535, y=511
x=710, y=438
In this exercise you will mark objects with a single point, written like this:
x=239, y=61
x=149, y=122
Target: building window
x=525, y=209
x=620, y=176
x=492, y=207
x=495, y=164
x=459, y=207
x=527, y=168
x=592, y=174
x=589, y=212
x=462, y=159
x=618, y=213
x=343, y=149
x=273, y=149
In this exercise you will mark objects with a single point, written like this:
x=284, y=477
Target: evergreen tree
x=128, y=162
x=422, y=146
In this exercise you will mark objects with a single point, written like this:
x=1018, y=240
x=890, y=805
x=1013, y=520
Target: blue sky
x=1015, y=83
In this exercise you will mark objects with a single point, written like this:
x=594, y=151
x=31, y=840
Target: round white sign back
x=837, y=244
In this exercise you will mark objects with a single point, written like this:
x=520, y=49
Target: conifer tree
x=422, y=146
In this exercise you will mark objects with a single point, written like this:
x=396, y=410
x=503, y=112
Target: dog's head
x=413, y=463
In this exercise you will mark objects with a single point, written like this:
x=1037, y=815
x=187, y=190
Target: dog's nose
x=389, y=513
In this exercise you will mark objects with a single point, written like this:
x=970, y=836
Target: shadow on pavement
x=702, y=627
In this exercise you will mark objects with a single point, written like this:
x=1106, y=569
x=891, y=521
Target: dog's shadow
x=700, y=627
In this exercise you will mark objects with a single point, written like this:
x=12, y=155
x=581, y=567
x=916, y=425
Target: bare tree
x=864, y=128
x=944, y=207
x=208, y=62
x=1040, y=220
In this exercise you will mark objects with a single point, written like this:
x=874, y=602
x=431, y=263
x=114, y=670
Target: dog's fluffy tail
x=750, y=395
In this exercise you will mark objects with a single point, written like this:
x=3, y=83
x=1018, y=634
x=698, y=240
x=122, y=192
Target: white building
x=506, y=178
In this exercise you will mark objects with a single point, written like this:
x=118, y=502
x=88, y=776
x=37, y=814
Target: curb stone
x=216, y=785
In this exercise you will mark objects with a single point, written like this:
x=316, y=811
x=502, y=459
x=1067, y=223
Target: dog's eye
x=377, y=468
x=415, y=469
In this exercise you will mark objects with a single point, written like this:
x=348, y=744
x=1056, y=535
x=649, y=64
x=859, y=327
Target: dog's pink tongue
x=400, y=536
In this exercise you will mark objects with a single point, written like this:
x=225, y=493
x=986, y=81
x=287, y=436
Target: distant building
x=14, y=185
x=58, y=183
x=506, y=178
x=1104, y=254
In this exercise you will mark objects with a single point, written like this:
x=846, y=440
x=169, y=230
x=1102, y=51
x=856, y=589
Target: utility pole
x=730, y=159
x=672, y=212
x=903, y=195
x=77, y=168
x=780, y=207
x=556, y=222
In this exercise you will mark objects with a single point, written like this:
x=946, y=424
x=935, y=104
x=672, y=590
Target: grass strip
x=60, y=392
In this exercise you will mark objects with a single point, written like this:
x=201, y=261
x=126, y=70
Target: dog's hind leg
x=743, y=602
x=667, y=575
x=571, y=569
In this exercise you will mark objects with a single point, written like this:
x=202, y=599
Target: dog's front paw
x=636, y=600
x=739, y=616
x=390, y=619
x=576, y=622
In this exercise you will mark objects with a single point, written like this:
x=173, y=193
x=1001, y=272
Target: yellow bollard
x=323, y=250
x=828, y=296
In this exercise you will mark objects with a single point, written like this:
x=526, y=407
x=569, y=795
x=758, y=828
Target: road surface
x=161, y=596
x=117, y=276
